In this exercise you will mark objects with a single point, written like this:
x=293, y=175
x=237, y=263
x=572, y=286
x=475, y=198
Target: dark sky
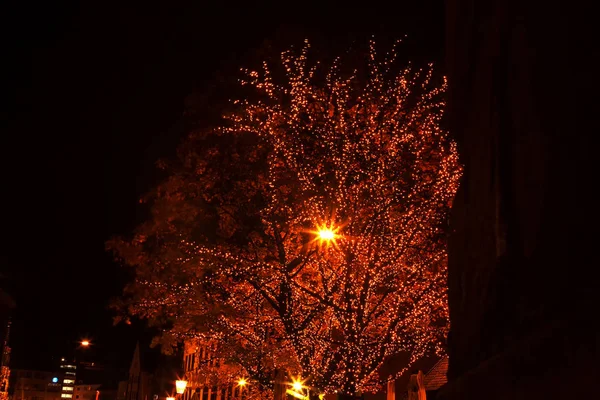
x=94, y=96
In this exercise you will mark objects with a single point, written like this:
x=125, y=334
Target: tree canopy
x=307, y=231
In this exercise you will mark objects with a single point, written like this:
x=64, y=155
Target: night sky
x=94, y=96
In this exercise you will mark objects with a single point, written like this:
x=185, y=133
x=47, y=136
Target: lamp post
x=327, y=235
x=180, y=386
x=298, y=390
x=84, y=346
x=242, y=382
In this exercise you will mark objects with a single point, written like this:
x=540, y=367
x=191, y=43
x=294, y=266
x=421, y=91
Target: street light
x=85, y=343
x=180, y=386
x=297, y=389
x=327, y=235
x=242, y=382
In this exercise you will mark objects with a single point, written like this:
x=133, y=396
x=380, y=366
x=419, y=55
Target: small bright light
x=297, y=386
x=326, y=234
x=242, y=382
x=54, y=380
x=170, y=398
x=180, y=386
x=85, y=343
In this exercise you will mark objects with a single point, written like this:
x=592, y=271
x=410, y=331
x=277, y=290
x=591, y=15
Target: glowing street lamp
x=242, y=382
x=180, y=386
x=297, y=390
x=326, y=234
x=85, y=343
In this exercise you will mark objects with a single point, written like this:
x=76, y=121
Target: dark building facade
x=151, y=376
x=68, y=372
x=522, y=283
x=7, y=304
x=35, y=385
x=138, y=385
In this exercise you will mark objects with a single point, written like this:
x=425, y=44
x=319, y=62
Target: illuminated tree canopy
x=308, y=229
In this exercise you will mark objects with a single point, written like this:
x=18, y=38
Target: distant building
x=139, y=383
x=433, y=369
x=35, y=385
x=5, y=363
x=122, y=390
x=68, y=371
x=6, y=306
x=208, y=377
x=91, y=373
x=87, y=380
x=436, y=377
x=432, y=380
x=143, y=384
x=107, y=393
x=87, y=392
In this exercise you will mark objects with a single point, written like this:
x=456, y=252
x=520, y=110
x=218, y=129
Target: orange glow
x=180, y=386
x=85, y=343
x=327, y=234
x=297, y=384
x=344, y=264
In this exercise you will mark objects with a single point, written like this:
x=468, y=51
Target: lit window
x=66, y=395
x=67, y=388
x=67, y=381
x=70, y=373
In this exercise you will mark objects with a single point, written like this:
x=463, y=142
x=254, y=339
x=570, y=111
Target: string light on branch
x=307, y=233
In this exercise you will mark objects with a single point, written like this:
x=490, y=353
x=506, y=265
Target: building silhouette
x=208, y=377
x=35, y=385
x=68, y=372
x=87, y=392
x=7, y=304
x=138, y=385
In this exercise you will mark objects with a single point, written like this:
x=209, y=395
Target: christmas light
x=328, y=197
